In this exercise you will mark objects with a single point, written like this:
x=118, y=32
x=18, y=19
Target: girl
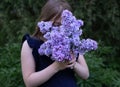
x=41, y=71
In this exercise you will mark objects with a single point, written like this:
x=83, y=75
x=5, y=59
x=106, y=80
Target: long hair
x=51, y=10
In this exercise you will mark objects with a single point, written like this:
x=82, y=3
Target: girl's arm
x=81, y=67
x=32, y=78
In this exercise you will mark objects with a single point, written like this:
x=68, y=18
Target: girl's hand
x=61, y=65
x=65, y=64
x=72, y=63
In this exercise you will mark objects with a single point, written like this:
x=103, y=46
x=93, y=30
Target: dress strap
x=32, y=42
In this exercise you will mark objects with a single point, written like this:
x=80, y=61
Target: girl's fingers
x=72, y=61
x=71, y=65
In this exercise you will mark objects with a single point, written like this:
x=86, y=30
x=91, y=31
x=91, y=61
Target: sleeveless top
x=63, y=78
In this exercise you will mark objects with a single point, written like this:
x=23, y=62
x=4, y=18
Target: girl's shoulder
x=32, y=42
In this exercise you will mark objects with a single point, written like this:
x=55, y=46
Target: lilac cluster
x=64, y=39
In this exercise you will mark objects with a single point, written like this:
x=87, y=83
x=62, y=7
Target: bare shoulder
x=25, y=44
x=25, y=48
x=26, y=55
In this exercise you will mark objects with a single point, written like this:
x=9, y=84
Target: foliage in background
x=101, y=17
x=10, y=73
x=100, y=74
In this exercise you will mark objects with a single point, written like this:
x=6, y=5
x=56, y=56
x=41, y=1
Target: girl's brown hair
x=51, y=10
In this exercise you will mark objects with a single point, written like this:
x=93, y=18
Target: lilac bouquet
x=64, y=39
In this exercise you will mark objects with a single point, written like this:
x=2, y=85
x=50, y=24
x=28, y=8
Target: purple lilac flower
x=76, y=40
x=80, y=23
x=47, y=35
x=64, y=39
x=61, y=53
x=87, y=45
x=42, y=49
x=44, y=26
x=48, y=51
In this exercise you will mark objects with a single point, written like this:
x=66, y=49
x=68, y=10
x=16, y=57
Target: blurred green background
x=101, y=23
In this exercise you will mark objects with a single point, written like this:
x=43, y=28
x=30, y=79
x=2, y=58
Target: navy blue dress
x=64, y=78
